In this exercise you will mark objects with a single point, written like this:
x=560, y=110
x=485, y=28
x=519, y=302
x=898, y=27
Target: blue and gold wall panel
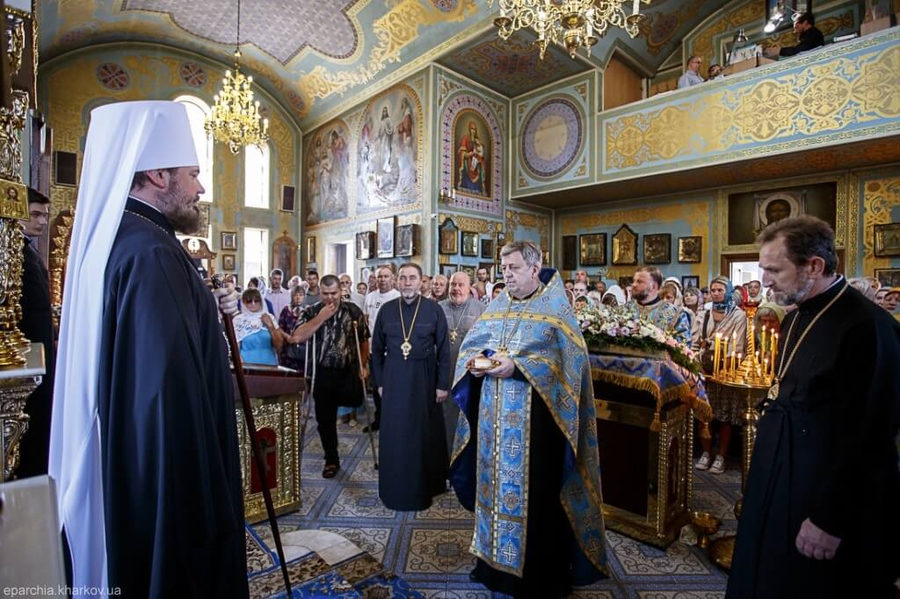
x=553, y=137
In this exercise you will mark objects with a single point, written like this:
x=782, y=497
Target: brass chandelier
x=575, y=24
x=234, y=119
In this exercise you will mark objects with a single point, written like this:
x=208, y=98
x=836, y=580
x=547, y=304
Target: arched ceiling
x=315, y=56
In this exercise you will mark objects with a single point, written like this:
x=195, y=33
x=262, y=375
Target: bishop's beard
x=181, y=211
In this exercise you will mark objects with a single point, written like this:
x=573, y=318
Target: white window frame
x=255, y=265
x=263, y=195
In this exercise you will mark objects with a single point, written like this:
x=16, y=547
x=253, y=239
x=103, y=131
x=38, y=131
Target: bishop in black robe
x=826, y=451
x=413, y=456
x=171, y=471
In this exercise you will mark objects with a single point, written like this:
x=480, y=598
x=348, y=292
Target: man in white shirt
x=384, y=278
x=356, y=298
x=279, y=296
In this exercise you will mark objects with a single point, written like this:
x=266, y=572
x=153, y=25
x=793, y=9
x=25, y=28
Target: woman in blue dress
x=257, y=334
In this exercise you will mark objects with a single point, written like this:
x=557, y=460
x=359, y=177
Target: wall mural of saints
x=328, y=173
x=472, y=159
x=388, y=151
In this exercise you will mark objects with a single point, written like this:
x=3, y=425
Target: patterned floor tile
x=357, y=502
x=258, y=558
x=439, y=551
x=358, y=569
x=364, y=471
x=715, y=502
x=677, y=594
x=314, y=446
x=446, y=507
x=309, y=495
x=638, y=559
x=371, y=540
x=445, y=593
x=594, y=594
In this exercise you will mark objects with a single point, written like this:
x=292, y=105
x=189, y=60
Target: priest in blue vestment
x=525, y=457
x=410, y=361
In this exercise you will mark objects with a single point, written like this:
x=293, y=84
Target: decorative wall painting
x=688, y=281
x=469, y=244
x=327, y=174
x=658, y=248
x=593, y=249
x=449, y=237
x=365, y=245
x=284, y=255
x=888, y=277
x=406, y=241
x=570, y=252
x=228, y=240
x=472, y=158
x=624, y=247
x=690, y=249
x=388, y=151
x=887, y=240
x=487, y=249
x=385, y=228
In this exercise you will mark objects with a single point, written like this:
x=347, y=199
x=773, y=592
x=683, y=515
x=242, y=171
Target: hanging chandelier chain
x=235, y=118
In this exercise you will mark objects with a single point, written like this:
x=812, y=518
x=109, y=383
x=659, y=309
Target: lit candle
x=716, y=354
x=637, y=7
x=762, y=345
x=774, y=349
x=724, y=369
x=752, y=338
x=740, y=357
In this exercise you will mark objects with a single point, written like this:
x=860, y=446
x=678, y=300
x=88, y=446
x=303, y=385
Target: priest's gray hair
x=805, y=237
x=531, y=252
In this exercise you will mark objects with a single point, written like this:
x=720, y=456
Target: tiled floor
x=429, y=550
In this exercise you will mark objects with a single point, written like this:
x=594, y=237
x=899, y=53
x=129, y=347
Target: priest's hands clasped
x=815, y=543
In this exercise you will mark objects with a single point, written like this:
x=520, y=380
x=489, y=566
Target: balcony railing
x=834, y=95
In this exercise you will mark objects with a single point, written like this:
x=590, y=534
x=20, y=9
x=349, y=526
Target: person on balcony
x=692, y=74
x=808, y=34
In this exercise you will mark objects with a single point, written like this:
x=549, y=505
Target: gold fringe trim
x=681, y=392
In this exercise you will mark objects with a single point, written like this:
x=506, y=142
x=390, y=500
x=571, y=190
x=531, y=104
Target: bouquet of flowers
x=608, y=327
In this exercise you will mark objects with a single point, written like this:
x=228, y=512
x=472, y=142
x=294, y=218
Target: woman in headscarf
x=769, y=316
x=864, y=287
x=257, y=335
x=671, y=292
x=693, y=300
x=728, y=320
x=292, y=354
x=614, y=296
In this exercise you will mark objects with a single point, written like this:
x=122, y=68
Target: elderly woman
x=292, y=354
x=728, y=320
x=769, y=316
x=439, y=288
x=257, y=335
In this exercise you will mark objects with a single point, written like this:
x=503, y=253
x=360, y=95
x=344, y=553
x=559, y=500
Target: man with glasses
x=692, y=74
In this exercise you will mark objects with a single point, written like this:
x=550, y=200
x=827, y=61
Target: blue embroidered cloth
x=489, y=467
x=663, y=379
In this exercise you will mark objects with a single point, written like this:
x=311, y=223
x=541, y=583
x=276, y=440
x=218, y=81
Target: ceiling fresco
x=319, y=57
x=512, y=67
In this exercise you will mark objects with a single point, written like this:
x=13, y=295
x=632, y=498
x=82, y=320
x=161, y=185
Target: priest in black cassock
x=820, y=513
x=411, y=360
x=144, y=442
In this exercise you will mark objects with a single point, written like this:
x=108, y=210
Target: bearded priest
x=525, y=457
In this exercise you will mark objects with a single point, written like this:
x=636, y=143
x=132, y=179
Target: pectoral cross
x=406, y=347
x=773, y=391
x=453, y=336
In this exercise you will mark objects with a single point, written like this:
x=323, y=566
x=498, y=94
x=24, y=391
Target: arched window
x=197, y=111
x=256, y=176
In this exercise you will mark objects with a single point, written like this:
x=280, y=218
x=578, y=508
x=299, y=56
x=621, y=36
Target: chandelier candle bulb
x=637, y=8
